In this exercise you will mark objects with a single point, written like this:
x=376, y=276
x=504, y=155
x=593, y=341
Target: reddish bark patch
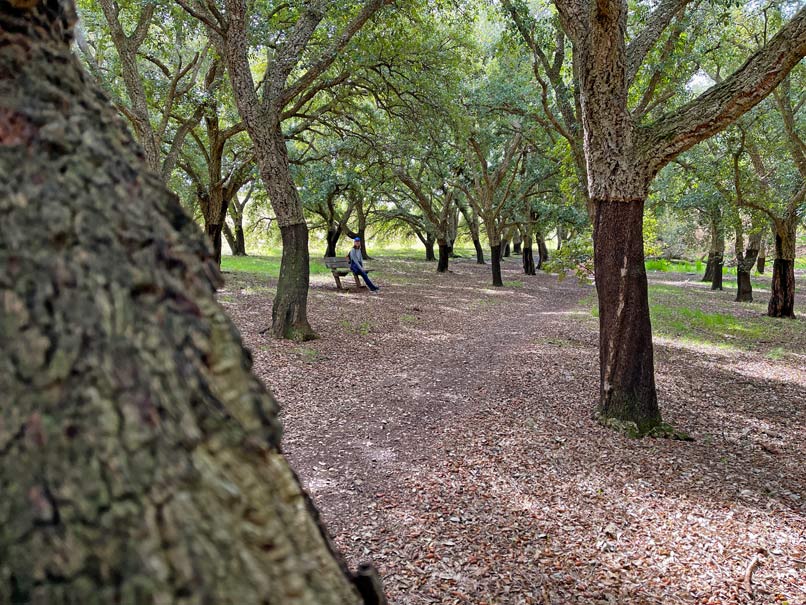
x=15, y=128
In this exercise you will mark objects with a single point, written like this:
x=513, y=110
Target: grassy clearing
x=265, y=265
x=666, y=266
x=694, y=315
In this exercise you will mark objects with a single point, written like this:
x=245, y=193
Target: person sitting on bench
x=357, y=264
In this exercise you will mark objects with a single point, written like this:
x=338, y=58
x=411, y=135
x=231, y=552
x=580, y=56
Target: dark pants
x=359, y=271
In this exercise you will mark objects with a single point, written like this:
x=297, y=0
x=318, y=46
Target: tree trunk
x=333, y=235
x=240, y=241
x=625, y=336
x=744, y=264
x=141, y=458
x=762, y=256
x=506, y=250
x=716, y=277
x=495, y=259
x=214, y=233
x=290, y=306
x=709, y=268
x=229, y=236
x=744, y=289
x=542, y=250
x=444, y=256
x=528, y=257
x=516, y=244
x=288, y=316
x=782, y=294
x=362, y=229
x=560, y=231
x=479, y=252
x=430, y=240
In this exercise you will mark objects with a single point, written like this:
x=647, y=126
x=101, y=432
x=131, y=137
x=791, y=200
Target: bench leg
x=357, y=283
x=338, y=281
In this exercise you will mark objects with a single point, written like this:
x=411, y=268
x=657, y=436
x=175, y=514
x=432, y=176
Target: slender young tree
x=622, y=156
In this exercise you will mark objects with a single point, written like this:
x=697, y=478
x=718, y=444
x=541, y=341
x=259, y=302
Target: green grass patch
x=361, y=329
x=307, y=354
x=667, y=266
x=265, y=265
x=686, y=322
x=514, y=283
x=674, y=314
x=408, y=319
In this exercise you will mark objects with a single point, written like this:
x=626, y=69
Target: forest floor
x=444, y=429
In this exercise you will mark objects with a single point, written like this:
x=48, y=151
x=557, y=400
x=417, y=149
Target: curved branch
x=725, y=102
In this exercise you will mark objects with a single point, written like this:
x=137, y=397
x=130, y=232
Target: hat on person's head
x=358, y=239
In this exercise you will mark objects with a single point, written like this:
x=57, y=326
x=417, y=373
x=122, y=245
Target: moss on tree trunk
x=139, y=455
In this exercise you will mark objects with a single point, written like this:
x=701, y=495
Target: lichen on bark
x=139, y=456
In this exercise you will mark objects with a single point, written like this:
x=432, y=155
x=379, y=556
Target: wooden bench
x=340, y=267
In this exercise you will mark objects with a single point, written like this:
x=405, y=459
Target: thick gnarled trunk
x=782, y=292
x=141, y=457
x=625, y=335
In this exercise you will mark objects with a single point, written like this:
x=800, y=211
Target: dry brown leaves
x=444, y=430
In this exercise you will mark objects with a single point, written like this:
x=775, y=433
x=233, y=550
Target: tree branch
x=657, y=23
x=723, y=103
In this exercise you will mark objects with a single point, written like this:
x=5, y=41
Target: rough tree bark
x=622, y=158
x=542, y=250
x=762, y=256
x=782, y=292
x=745, y=259
x=235, y=238
x=717, y=245
x=140, y=458
x=429, y=242
x=495, y=262
x=718, y=259
x=444, y=256
x=528, y=255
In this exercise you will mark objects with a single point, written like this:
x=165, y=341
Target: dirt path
x=444, y=430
